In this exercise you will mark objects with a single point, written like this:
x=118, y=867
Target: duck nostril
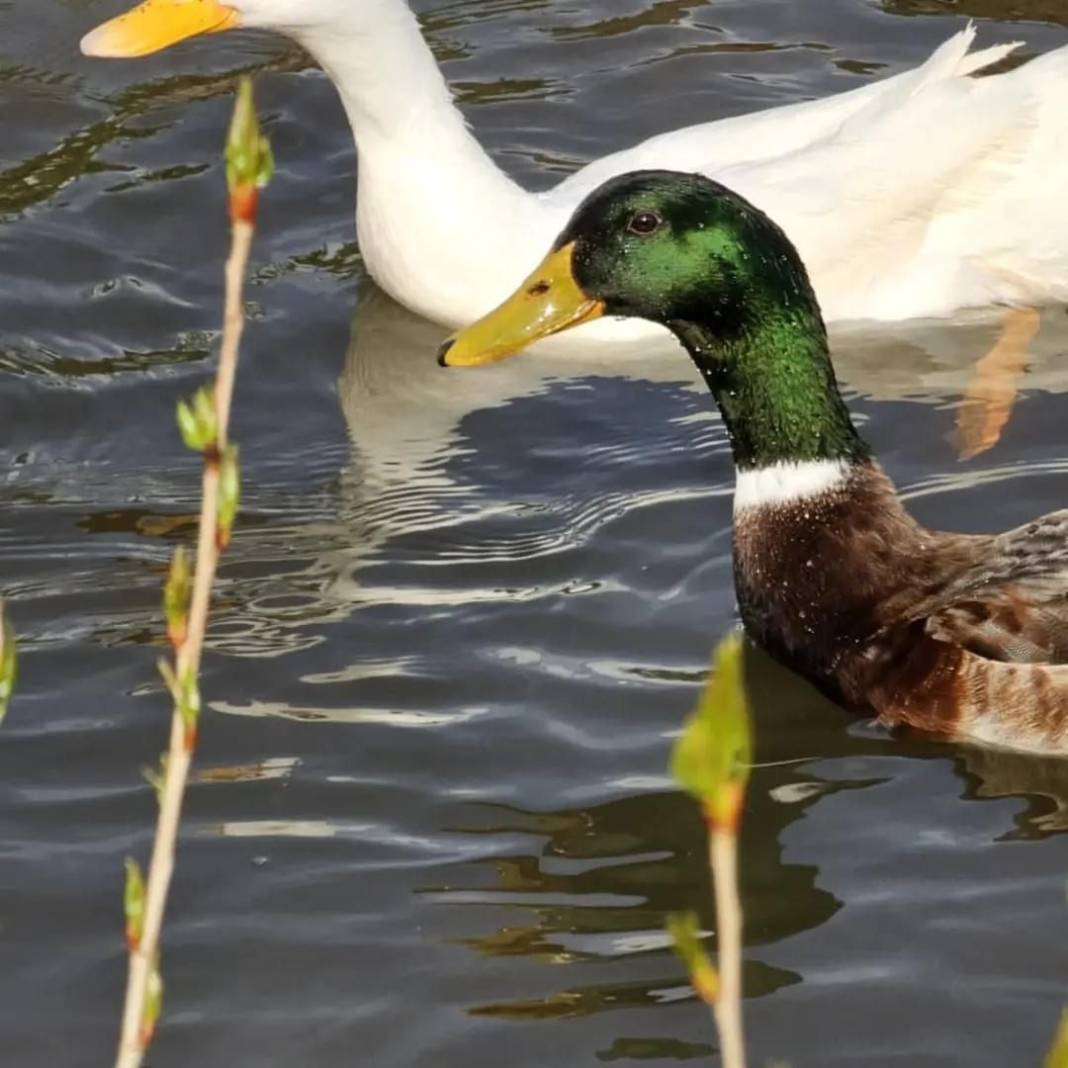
x=538, y=288
x=443, y=352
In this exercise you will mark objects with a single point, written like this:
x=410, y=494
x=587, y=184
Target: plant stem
x=723, y=853
x=233, y=323
x=144, y=956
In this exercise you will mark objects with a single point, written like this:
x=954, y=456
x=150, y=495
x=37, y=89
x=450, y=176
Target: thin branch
x=248, y=168
x=712, y=760
x=723, y=852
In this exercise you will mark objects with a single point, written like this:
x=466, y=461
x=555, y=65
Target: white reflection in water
x=387, y=717
x=404, y=417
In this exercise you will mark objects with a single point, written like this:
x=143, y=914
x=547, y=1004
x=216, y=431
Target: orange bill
x=548, y=302
x=155, y=25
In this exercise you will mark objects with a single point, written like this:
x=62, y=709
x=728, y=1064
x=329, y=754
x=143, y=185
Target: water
x=433, y=824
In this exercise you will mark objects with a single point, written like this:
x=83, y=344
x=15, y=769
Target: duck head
x=684, y=251
x=674, y=248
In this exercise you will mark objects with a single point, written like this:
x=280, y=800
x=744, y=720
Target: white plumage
x=913, y=196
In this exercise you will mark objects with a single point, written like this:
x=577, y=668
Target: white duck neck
x=385, y=72
x=433, y=210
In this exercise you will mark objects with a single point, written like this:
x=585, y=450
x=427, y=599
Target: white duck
x=913, y=196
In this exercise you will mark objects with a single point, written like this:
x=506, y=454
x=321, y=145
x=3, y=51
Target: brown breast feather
x=961, y=635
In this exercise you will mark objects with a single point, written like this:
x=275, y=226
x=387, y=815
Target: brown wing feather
x=1006, y=625
x=933, y=685
x=1011, y=603
x=983, y=652
x=1019, y=706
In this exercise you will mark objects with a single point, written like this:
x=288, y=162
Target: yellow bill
x=548, y=302
x=155, y=25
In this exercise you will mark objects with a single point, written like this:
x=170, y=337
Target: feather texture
x=914, y=195
x=959, y=635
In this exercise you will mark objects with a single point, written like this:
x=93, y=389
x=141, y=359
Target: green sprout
x=1058, y=1055
x=185, y=691
x=198, y=421
x=8, y=662
x=176, y=595
x=712, y=758
x=249, y=159
x=153, y=1008
x=229, y=494
x=134, y=904
x=157, y=777
x=685, y=931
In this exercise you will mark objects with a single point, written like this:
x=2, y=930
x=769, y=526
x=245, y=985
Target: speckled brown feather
x=960, y=635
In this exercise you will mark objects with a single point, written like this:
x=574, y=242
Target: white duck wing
x=937, y=199
x=710, y=147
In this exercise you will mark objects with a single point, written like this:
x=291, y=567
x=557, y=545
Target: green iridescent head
x=684, y=251
x=666, y=246
x=675, y=247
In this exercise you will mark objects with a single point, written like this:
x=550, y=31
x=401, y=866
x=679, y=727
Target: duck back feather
x=910, y=196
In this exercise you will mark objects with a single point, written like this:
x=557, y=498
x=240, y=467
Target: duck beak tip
x=157, y=24
x=93, y=45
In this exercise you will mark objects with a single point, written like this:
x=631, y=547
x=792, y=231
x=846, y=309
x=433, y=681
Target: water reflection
x=404, y=414
x=419, y=515
x=659, y=13
x=601, y=879
x=653, y=1049
x=1032, y=10
x=33, y=181
x=414, y=483
x=1040, y=782
x=934, y=362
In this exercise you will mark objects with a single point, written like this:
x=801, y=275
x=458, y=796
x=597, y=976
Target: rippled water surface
x=464, y=613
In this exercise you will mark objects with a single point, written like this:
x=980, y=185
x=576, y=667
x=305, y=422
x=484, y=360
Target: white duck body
x=912, y=196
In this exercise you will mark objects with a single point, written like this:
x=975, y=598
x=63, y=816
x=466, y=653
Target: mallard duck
x=953, y=634
x=911, y=196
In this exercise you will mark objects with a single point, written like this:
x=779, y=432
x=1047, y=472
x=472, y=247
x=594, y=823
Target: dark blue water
x=464, y=614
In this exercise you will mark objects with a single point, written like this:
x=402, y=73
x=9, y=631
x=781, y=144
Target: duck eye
x=645, y=223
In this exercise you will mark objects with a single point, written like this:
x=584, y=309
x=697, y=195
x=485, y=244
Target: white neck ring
x=787, y=483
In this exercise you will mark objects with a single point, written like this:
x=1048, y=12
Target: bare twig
x=205, y=427
x=723, y=851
